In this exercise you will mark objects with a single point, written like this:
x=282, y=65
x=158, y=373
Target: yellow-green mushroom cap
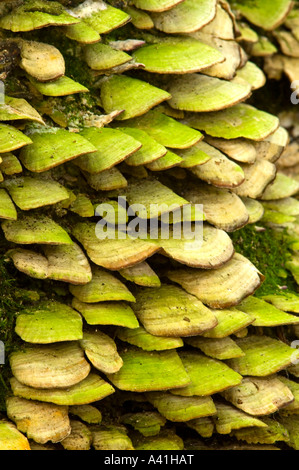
x=177, y=56
x=141, y=274
x=101, y=350
x=11, y=438
x=240, y=120
x=219, y=170
x=274, y=432
x=209, y=248
x=111, y=438
x=107, y=313
x=288, y=302
x=102, y=57
x=148, y=423
x=80, y=437
x=114, y=253
x=49, y=322
x=112, y=145
x=267, y=14
x=87, y=413
x=266, y=314
x=208, y=376
x=103, y=287
x=259, y=396
x=283, y=186
x=15, y=109
x=230, y=321
x=31, y=193
x=10, y=165
x=188, y=317
x=12, y=139
x=186, y=17
x=63, y=86
x=39, y=421
x=52, y=148
x=257, y=177
x=203, y=426
x=240, y=150
x=100, y=16
x=62, y=263
x=107, y=180
x=150, y=151
x=200, y=93
x=156, y=5
x=222, y=208
x=181, y=409
x=229, y=418
x=223, y=348
x=117, y=91
x=7, y=208
x=149, y=371
x=89, y=390
x=164, y=441
x=223, y=287
x=82, y=33
x=42, y=61
x=29, y=229
x=254, y=208
x=50, y=366
x=263, y=356
x=35, y=15
x=252, y=74
x=146, y=341
x=166, y=130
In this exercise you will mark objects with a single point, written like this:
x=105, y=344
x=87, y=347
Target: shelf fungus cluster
x=120, y=121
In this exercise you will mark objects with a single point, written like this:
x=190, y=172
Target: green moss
x=7, y=314
x=268, y=250
x=11, y=302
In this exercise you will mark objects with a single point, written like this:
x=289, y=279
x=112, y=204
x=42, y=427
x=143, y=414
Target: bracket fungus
x=216, y=348
x=149, y=245
x=53, y=366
